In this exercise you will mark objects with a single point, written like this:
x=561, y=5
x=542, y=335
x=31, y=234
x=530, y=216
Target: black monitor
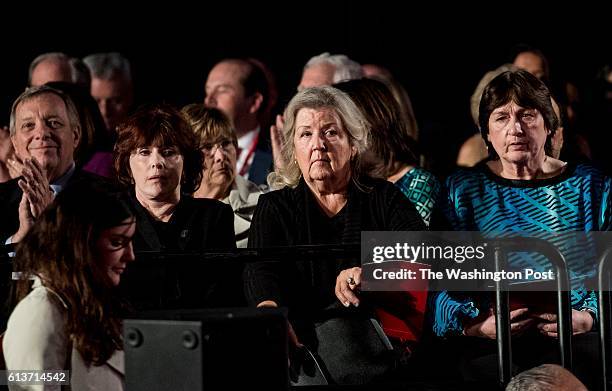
x=206, y=350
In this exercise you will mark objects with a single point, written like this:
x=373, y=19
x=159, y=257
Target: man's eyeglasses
x=210, y=149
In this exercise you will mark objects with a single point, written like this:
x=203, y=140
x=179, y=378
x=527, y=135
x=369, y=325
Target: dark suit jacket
x=197, y=225
x=262, y=163
x=261, y=166
x=185, y=278
x=10, y=197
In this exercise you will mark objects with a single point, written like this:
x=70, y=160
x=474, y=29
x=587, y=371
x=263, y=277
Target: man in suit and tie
x=239, y=88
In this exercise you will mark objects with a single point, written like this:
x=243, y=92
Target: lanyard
x=246, y=165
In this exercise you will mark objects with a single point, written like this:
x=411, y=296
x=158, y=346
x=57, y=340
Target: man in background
x=111, y=86
x=239, y=88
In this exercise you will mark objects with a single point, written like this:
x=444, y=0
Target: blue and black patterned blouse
x=579, y=199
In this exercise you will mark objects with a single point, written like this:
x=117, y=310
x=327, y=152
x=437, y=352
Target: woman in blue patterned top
x=394, y=153
x=521, y=188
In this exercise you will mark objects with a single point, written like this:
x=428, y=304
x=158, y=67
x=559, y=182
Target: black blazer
x=261, y=166
x=181, y=280
x=197, y=225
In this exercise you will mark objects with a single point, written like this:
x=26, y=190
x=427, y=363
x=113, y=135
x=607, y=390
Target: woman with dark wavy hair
x=70, y=317
x=157, y=155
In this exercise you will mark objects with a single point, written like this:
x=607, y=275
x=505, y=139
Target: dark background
x=438, y=54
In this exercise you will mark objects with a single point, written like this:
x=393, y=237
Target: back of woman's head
x=403, y=100
x=389, y=136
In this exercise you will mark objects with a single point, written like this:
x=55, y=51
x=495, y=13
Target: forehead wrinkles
x=227, y=73
x=511, y=107
x=310, y=117
x=47, y=105
x=153, y=138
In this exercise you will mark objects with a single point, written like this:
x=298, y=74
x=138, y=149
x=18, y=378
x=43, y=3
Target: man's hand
x=15, y=167
x=26, y=220
x=37, y=195
x=35, y=186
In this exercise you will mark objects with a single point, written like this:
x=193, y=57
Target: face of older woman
x=157, y=172
x=322, y=147
x=517, y=134
x=219, y=164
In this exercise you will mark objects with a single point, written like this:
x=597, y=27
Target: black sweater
x=292, y=217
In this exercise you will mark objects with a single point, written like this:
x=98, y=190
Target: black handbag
x=352, y=349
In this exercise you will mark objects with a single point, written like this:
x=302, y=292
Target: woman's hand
x=277, y=140
x=348, y=283
x=582, y=322
x=7, y=154
x=486, y=328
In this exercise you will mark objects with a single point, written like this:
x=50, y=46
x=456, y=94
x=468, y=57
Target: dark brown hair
x=60, y=250
x=161, y=126
x=524, y=89
x=389, y=136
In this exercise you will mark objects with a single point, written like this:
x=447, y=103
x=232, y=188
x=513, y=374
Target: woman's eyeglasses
x=209, y=149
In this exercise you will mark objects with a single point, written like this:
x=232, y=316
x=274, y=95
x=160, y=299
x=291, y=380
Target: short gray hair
x=107, y=66
x=352, y=120
x=547, y=377
x=345, y=68
x=51, y=56
x=33, y=92
x=79, y=73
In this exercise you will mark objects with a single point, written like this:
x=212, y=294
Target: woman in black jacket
x=157, y=154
